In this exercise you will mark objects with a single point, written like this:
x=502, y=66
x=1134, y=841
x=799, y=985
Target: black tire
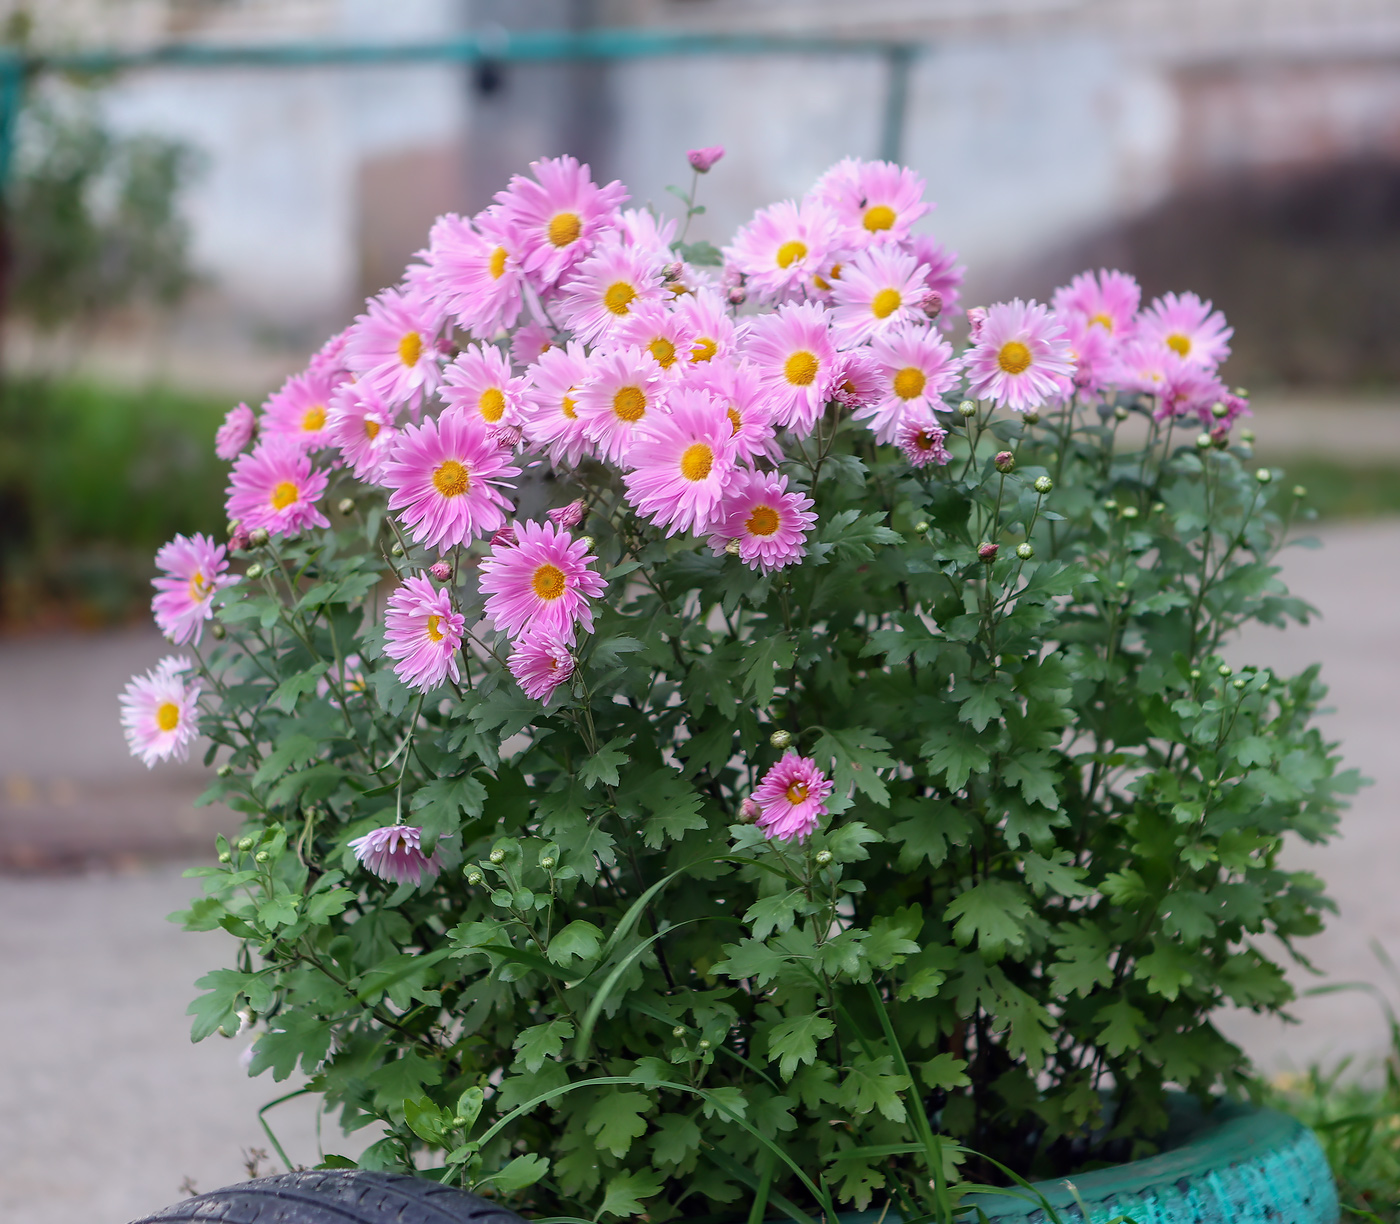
x=336, y=1196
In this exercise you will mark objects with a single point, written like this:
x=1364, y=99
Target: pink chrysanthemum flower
x=541, y=662
x=770, y=523
x=558, y=215
x=705, y=316
x=1189, y=327
x=474, y=271
x=944, y=275
x=606, y=288
x=796, y=362
x=624, y=386
x=874, y=202
x=446, y=476
x=1190, y=389
x=915, y=365
x=791, y=796
x=1021, y=358
x=362, y=425
x=422, y=632
x=480, y=383
x=546, y=580
x=195, y=568
x=1095, y=353
x=393, y=346
x=665, y=334
x=739, y=390
x=300, y=409
x=649, y=234
x=238, y=429
x=783, y=248
x=681, y=463
x=160, y=712
x=550, y=415
x=879, y=289
x=395, y=854
x=329, y=359
x=1108, y=301
x=530, y=342
x=921, y=439
x=275, y=487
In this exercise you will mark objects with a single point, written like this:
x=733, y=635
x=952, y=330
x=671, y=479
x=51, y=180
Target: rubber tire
x=336, y=1196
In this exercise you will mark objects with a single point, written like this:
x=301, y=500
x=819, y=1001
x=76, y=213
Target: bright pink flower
x=480, y=383
x=796, y=362
x=739, y=390
x=707, y=318
x=792, y=796
x=422, y=632
x=916, y=366
x=976, y=320
x=944, y=276
x=474, y=271
x=299, y=410
x=545, y=581
x=275, y=487
x=238, y=429
x=362, y=425
x=1189, y=327
x=921, y=439
x=783, y=248
x=1108, y=301
x=329, y=360
x=874, y=202
x=770, y=523
x=550, y=414
x=568, y=517
x=1095, y=351
x=1190, y=389
x=1021, y=358
x=530, y=341
x=541, y=662
x=879, y=289
x=558, y=215
x=624, y=386
x=446, y=476
x=649, y=235
x=393, y=346
x=606, y=288
x=681, y=463
x=195, y=568
x=160, y=712
x=395, y=854
x=703, y=160
x=665, y=334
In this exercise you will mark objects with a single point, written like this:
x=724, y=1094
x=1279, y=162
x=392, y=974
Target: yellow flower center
x=492, y=405
x=796, y=793
x=736, y=422
x=909, y=383
x=564, y=229
x=167, y=716
x=411, y=349
x=314, y=419
x=618, y=297
x=762, y=521
x=1014, y=357
x=1102, y=320
x=836, y=271
x=790, y=252
x=198, y=589
x=885, y=303
x=434, y=633
x=371, y=429
x=548, y=581
x=881, y=217
x=664, y=351
x=821, y=283
x=452, y=479
x=630, y=404
x=498, y=263
x=801, y=368
x=1179, y=344
x=284, y=494
x=704, y=349
x=569, y=407
x=697, y=461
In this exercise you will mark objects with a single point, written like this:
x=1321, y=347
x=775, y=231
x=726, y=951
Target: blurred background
x=197, y=192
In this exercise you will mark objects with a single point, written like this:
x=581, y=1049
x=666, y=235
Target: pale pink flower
x=874, y=202
x=362, y=425
x=530, y=342
x=921, y=438
x=606, y=288
x=1190, y=389
x=550, y=413
x=1021, y=358
x=783, y=248
x=707, y=318
x=395, y=854
x=1108, y=301
x=238, y=429
x=474, y=271
x=879, y=289
x=976, y=319
x=559, y=215
x=329, y=359
x=393, y=346
x=739, y=390
x=796, y=362
x=1187, y=326
x=944, y=275
x=1095, y=351
x=160, y=712
x=703, y=160
x=915, y=366
x=650, y=235
x=446, y=476
x=681, y=463
x=480, y=383
x=195, y=568
x=300, y=409
x=770, y=523
x=422, y=632
x=541, y=662
x=545, y=580
x=791, y=796
x=623, y=387
x=666, y=334
x=274, y=486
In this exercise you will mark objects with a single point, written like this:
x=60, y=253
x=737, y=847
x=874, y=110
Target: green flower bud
x=397, y=549
x=587, y=542
x=967, y=409
x=1158, y=507
x=1299, y=491
x=1225, y=669
x=458, y=1122
x=1204, y=441
x=346, y=505
x=1219, y=411
x=1043, y=485
x=497, y=855
x=473, y=878
x=1031, y=416
x=1111, y=505
x=262, y=856
x=1239, y=683
x=225, y=856
x=224, y=770
x=921, y=526
x=823, y=857
x=702, y=1044
x=1195, y=673
x=1004, y=462
x=547, y=862
x=1121, y=585
x=245, y=844
x=733, y=547
x=1130, y=512
x=218, y=631
x=255, y=571
x=1263, y=476
x=1247, y=436
x=1120, y=413
x=1025, y=551
x=780, y=739
x=258, y=537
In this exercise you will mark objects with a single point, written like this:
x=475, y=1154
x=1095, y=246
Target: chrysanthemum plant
x=710, y=747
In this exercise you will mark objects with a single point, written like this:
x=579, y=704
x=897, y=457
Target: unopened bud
x=1004, y=462
x=1247, y=435
x=749, y=811
x=737, y=296
x=678, y=1031
x=823, y=857
x=921, y=526
x=780, y=738
x=224, y=770
x=218, y=631
x=1219, y=411
x=1031, y=416
x=224, y=856
x=932, y=303
x=547, y=862
x=1120, y=413
x=1111, y=504
x=245, y=844
x=1203, y=441
x=1238, y=683
x=505, y=538
x=440, y=570
x=1299, y=491
x=262, y=856
x=1130, y=512
x=733, y=547
x=1225, y=669
x=1263, y=476
x=1043, y=485
x=1025, y=551
x=1121, y=585
x=1195, y=673
x=987, y=551
x=346, y=505
x=473, y=877
x=967, y=409
x=255, y=571
x=506, y=437
x=672, y=271
x=568, y=517
x=258, y=537
x=587, y=542
x=702, y=1044
x=497, y=855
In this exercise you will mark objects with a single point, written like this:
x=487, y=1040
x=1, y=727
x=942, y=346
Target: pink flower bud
x=505, y=538
x=440, y=570
x=749, y=811
x=1004, y=461
x=976, y=316
x=703, y=159
x=507, y=437
x=932, y=303
x=237, y=537
x=672, y=271
x=737, y=297
x=567, y=517
x=987, y=551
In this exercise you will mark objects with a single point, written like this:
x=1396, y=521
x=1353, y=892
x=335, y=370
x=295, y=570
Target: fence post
x=899, y=60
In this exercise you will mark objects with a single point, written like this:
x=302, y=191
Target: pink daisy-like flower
x=874, y=202
x=665, y=334
x=238, y=429
x=558, y=215
x=648, y=234
x=1189, y=327
x=530, y=341
x=783, y=248
x=541, y=662
x=480, y=383
x=681, y=462
x=195, y=568
x=545, y=580
x=739, y=390
x=329, y=360
x=550, y=415
x=796, y=362
x=791, y=796
x=944, y=275
x=474, y=270
x=1108, y=301
x=1095, y=352
x=879, y=289
x=1190, y=389
x=274, y=486
x=362, y=425
x=395, y=854
x=160, y=712
x=770, y=523
x=300, y=409
x=393, y=346
x=446, y=476
x=858, y=382
x=921, y=439
x=606, y=288
x=623, y=387
x=1021, y=358
x=422, y=632
x=705, y=316
x=916, y=365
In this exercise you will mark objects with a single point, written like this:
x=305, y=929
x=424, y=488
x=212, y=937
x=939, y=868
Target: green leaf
x=702, y=254
x=616, y=1120
x=769, y=656
x=425, y=1120
x=945, y=1071
x=626, y=1192
x=794, y=1041
x=440, y=805
x=751, y=958
x=293, y=749
x=523, y=1171
x=540, y=1042
x=1032, y=772
x=954, y=754
x=1084, y=959
x=855, y=754
x=776, y=912
x=284, y=696
x=602, y=766
x=293, y=1035
x=675, y=1139
x=871, y=1083
x=228, y=990
x=579, y=940
x=1056, y=874
x=1122, y=1026
x=1166, y=969
x=993, y=913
